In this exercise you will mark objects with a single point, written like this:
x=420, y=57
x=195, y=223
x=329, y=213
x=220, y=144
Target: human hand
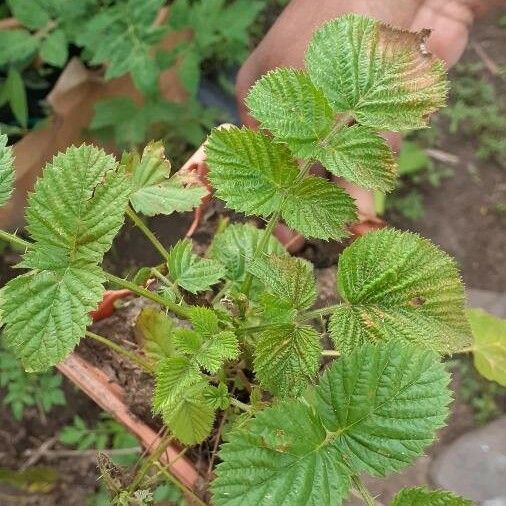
x=286, y=42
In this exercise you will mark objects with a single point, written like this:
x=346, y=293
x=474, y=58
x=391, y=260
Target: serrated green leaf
x=46, y=312
x=291, y=279
x=383, y=404
x=420, y=496
x=29, y=13
x=397, y=285
x=16, y=46
x=360, y=155
x=76, y=209
x=187, y=341
x=154, y=191
x=190, y=417
x=375, y=411
x=243, y=162
x=204, y=320
x=287, y=103
x=173, y=377
x=190, y=271
x=384, y=77
x=317, y=208
x=235, y=246
x=53, y=49
x=73, y=215
x=216, y=350
x=154, y=329
x=217, y=397
x=280, y=458
x=6, y=170
x=489, y=347
x=286, y=358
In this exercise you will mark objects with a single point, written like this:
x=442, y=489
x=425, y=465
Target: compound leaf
x=53, y=49
x=291, y=279
x=317, y=208
x=249, y=171
x=420, y=496
x=360, y=155
x=382, y=405
x=190, y=271
x=286, y=358
x=382, y=76
x=235, y=246
x=286, y=102
x=397, y=285
x=46, y=313
x=281, y=458
x=489, y=347
x=216, y=349
x=154, y=192
x=6, y=170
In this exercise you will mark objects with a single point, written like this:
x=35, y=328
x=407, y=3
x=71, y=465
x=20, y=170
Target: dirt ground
x=460, y=216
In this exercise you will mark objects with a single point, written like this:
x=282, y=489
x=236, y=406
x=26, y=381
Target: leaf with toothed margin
x=6, y=170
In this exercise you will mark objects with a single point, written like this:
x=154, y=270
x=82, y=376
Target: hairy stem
x=172, y=306
x=238, y=404
x=136, y=219
x=14, y=240
x=317, y=313
x=271, y=224
x=149, y=461
x=194, y=498
x=330, y=353
x=130, y=355
x=366, y=496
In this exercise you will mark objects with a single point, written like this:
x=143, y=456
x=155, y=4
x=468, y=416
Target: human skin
x=285, y=43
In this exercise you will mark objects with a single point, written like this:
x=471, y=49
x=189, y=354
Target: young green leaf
x=16, y=46
x=154, y=330
x=382, y=76
x=286, y=358
x=73, y=215
x=249, y=171
x=281, y=457
x=397, y=285
x=16, y=91
x=360, y=155
x=190, y=271
x=46, y=312
x=235, y=246
x=31, y=13
x=420, y=496
x=216, y=349
x=173, y=377
x=204, y=320
x=53, y=49
x=489, y=347
x=190, y=417
x=382, y=405
x=317, y=208
x=6, y=170
x=291, y=279
x=154, y=192
x=287, y=103
x=375, y=411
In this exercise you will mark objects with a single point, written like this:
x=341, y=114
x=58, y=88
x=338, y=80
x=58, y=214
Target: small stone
x=474, y=465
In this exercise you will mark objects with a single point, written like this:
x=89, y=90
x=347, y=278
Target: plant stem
x=366, y=496
x=311, y=315
x=167, y=282
x=238, y=404
x=186, y=490
x=14, y=239
x=172, y=306
x=271, y=224
x=145, y=230
x=132, y=356
x=330, y=353
x=149, y=461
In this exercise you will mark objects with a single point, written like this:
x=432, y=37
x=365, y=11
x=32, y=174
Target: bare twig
x=35, y=455
x=442, y=156
x=485, y=58
x=56, y=454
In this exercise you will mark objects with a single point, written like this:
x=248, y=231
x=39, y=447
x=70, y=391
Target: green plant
x=124, y=36
x=252, y=350
x=23, y=390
